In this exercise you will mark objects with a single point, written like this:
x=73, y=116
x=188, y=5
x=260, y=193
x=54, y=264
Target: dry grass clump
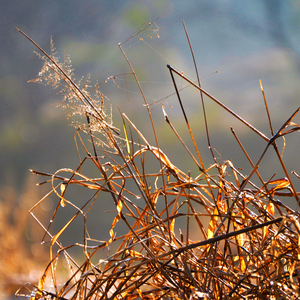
x=248, y=239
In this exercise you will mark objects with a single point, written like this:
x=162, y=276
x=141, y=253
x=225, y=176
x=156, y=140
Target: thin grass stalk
x=201, y=94
x=219, y=103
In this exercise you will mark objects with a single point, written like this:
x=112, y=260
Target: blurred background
x=244, y=40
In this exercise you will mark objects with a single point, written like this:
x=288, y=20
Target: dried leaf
x=212, y=224
x=62, y=190
x=164, y=159
x=271, y=209
x=115, y=221
x=291, y=270
x=280, y=184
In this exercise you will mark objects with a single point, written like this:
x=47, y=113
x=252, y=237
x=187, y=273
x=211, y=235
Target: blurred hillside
x=244, y=40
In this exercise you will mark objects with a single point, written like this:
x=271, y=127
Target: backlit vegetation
x=248, y=239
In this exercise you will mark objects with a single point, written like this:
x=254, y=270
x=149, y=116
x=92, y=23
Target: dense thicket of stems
x=248, y=239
